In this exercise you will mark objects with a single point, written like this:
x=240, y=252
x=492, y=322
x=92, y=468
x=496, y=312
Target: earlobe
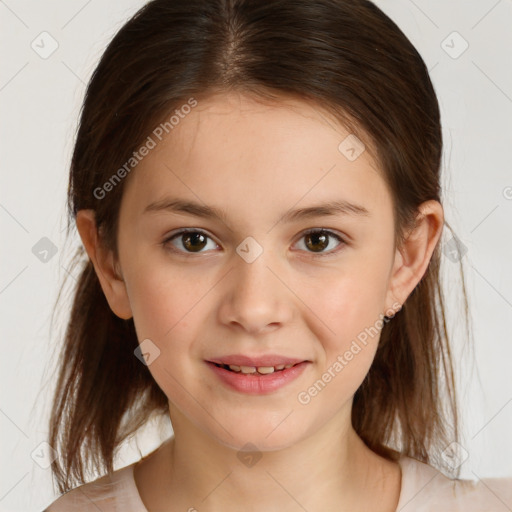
x=412, y=258
x=108, y=271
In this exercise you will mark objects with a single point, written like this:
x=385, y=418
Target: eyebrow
x=338, y=207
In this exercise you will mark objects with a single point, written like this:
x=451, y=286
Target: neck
x=330, y=470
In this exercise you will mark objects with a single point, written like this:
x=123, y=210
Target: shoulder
x=109, y=493
x=426, y=489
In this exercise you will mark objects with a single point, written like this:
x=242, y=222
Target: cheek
x=350, y=301
x=351, y=304
x=163, y=302
x=164, y=309
x=352, y=311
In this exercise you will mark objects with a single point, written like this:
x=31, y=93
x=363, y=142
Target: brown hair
x=348, y=57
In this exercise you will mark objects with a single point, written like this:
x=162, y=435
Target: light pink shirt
x=424, y=489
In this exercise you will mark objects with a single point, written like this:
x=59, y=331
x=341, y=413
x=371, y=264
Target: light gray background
x=40, y=100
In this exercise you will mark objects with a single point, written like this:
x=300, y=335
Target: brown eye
x=191, y=241
x=318, y=240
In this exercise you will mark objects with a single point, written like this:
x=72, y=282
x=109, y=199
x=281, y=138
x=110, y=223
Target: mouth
x=259, y=370
x=257, y=379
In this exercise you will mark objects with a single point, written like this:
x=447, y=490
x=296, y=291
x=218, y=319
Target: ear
x=412, y=259
x=112, y=284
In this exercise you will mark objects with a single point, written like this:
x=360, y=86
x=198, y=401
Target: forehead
x=235, y=149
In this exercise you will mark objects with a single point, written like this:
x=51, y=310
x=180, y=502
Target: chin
x=264, y=435
x=255, y=443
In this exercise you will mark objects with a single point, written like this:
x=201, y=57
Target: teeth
x=264, y=370
x=248, y=369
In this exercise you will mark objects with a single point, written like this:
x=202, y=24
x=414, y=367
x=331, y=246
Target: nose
x=255, y=297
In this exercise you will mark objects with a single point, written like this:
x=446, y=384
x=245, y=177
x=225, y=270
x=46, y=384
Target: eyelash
x=166, y=242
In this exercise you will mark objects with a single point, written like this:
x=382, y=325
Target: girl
x=257, y=188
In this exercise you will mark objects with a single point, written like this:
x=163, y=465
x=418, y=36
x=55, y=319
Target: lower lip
x=257, y=384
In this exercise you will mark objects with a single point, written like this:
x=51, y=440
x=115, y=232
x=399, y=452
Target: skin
x=257, y=161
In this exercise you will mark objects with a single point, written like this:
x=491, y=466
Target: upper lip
x=257, y=361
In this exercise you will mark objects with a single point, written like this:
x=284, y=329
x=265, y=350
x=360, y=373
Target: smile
x=247, y=370
x=256, y=380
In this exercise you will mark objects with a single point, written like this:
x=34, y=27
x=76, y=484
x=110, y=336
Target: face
x=264, y=280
